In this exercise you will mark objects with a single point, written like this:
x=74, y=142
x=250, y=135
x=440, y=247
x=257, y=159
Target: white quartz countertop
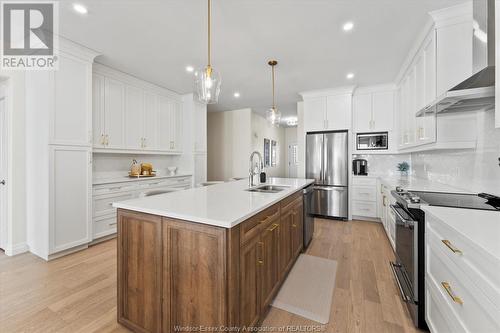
x=481, y=227
x=224, y=205
x=126, y=178
x=411, y=183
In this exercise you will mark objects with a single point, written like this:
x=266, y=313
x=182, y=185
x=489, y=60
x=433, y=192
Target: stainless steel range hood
x=478, y=91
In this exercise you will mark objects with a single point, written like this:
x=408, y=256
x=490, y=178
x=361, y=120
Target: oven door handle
x=395, y=210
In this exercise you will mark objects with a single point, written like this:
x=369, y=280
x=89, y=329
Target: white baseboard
x=12, y=250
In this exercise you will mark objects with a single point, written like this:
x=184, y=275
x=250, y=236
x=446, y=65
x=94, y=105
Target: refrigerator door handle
x=329, y=188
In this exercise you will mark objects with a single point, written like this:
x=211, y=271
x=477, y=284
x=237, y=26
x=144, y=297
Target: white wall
x=290, y=138
x=16, y=196
x=301, y=141
x=228, y=144
x=473, y=170
x=261, y=129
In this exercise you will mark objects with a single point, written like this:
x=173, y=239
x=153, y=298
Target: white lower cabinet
x=70, y=184
x=104, y=214
x=462, y=288
x=364, y=202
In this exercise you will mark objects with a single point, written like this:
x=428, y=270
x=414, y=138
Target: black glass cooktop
x=472, y=201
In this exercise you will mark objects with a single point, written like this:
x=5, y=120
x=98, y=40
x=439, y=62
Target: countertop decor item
x=207, y=80
x=403, y=168
x=146, y=169
x=172, y=170
x=135, y=168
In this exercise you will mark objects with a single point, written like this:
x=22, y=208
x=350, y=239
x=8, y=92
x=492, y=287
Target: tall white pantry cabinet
x=59, y=153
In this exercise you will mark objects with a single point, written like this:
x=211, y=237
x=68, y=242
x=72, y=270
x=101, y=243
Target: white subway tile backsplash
x=475, y=170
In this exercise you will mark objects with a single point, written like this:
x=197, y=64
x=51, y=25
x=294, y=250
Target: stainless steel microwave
x=372, y=141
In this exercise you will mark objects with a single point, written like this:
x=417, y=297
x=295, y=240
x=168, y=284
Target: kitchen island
x=207, y=257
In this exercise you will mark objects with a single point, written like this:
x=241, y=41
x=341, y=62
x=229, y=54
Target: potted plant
x=403, y=168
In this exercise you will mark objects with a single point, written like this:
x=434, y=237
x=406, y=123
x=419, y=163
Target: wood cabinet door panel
x=250, y=271
x=297, y=229
x=194, y=276
x=270, y=243
x=139, y=271
x=285, y=244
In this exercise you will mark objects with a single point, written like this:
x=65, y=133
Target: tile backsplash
x=384, y=165
x=475, y=170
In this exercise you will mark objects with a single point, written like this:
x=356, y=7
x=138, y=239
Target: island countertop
x=224, y=205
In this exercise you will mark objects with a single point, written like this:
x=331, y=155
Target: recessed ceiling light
x=189, y=69
x=236, y=94
x=350, y=76
x=348, y=26
x=79, y=8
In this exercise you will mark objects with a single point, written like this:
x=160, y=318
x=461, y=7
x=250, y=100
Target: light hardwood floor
x=77, y=293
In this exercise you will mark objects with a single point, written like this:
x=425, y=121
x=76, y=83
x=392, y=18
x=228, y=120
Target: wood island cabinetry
x=174, y=273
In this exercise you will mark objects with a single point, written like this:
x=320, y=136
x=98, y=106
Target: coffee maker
x=360, y=167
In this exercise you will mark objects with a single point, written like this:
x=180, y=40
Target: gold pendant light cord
x=209, y=32
x=274, y=100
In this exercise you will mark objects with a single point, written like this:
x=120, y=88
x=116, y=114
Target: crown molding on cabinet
x=328, y=92
x=452, y=15
x=77, y=50
x=134, y=81
x=375, y=88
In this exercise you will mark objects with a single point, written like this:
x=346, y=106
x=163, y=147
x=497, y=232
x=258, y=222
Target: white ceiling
x=156, y=39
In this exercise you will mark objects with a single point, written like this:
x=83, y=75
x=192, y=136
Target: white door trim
x=5, y=209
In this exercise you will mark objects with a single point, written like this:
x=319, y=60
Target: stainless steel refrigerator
x=327, y=163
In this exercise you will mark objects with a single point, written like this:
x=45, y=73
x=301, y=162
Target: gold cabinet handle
x=273, y=227
x=447, y=287
x=260, y=261
x=294, y=225
x=451, y=246
x=102, y=139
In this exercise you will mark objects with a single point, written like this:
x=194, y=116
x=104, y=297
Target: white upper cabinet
x=98, y=127
x=114, y=113
x=151, y=121
x=383, y=111
x=132, y=115
x=338, y=112
x=71, y=118
x=373, y=111
x=328, y=109
x=315, y=113
x=362, y=112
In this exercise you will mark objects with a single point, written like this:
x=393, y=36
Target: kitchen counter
x=224, y=205
x=125, y=179
x=481, y=227
x=412, y=183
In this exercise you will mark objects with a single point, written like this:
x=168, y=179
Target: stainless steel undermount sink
x=267, y=188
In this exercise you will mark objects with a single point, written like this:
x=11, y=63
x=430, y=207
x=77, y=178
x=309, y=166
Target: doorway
x=292, y=160
x=3, y=166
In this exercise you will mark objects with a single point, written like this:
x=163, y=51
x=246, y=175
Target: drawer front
x=252, y=227
x=182, y=181
x=364, y=208
x=439, y=319
x=103, y=204
x=103, y=226
x=479, y=267
x=364, y=181
x=470, y=306
x=364, y=193
x=113, y=188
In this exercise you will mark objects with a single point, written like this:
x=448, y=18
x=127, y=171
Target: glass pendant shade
x=273, y=116
x=207, y=85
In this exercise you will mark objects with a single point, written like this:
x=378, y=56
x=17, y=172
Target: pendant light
x=273, y=116
x=207, y=80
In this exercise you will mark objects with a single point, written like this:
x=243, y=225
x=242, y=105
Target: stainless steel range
x=409, y=268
